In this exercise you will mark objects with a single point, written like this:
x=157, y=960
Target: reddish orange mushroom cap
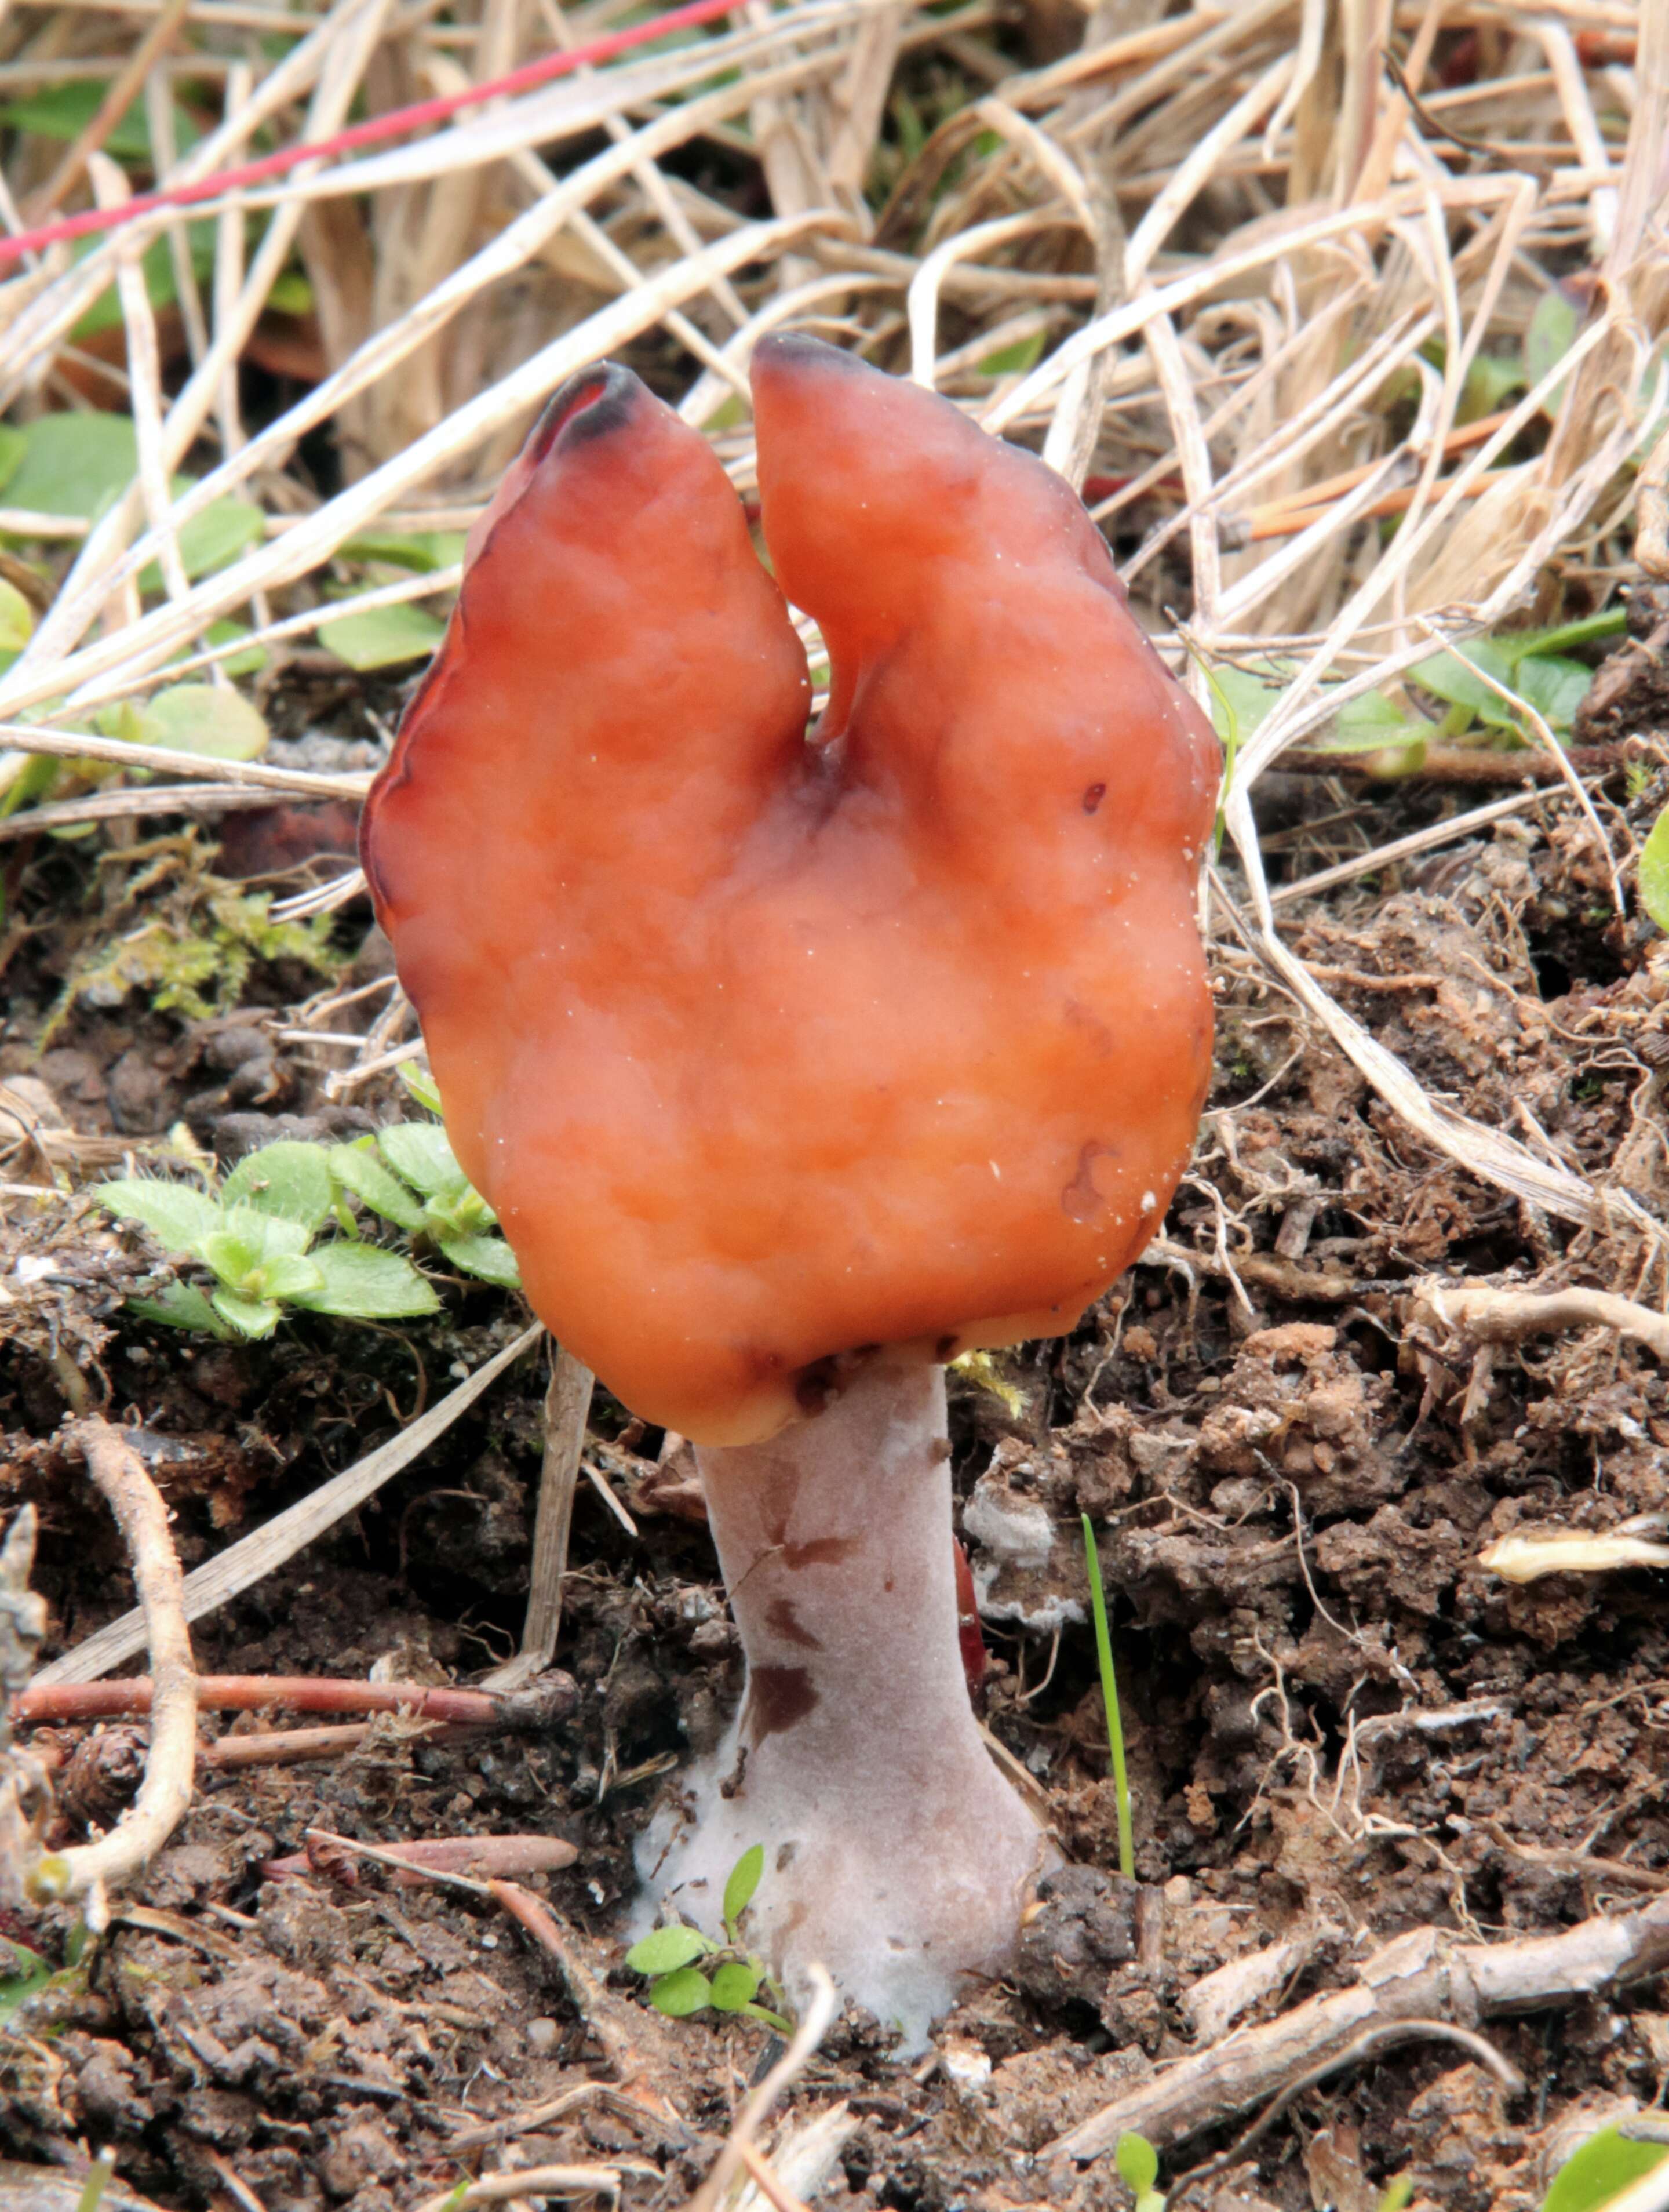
x=764, y=1051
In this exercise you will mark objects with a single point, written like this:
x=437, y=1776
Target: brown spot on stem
x=779, y=1699
x=780, y=1615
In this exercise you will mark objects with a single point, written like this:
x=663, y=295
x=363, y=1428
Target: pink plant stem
x=130, y=1698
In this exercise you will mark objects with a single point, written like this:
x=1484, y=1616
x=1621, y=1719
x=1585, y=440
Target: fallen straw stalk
x=1422, y=1977
x=257, y=1554
x=166, y=1791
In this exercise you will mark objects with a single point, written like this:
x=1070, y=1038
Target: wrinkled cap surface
x=770, y=1049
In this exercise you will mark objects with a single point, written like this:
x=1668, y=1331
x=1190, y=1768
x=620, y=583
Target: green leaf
x=382, y=636
x=356, y=1168
x=13, y=445
x=1372, y=722
x=365, y=1283
x=22, y=1973
x=1014, y=360
x=1490, y=381
x=74, y=464
x=664, y=1950
x=1601, y=2169
x=1241, y=701
x=1654, y=871
x=422, y=551
x=249, y=1316
x=63, y=111
x=269, y=1236
x=1554, y=686
x=288, y=1179
x=290, y=295
x=1138, y=2163
x=733, y=1986
x=16, y=618
x=422, y=1086
x=288, y=1276
x=180, y=1305
x=1551, y=334
x=177, y=1214
x=681, y=1994
x=489, y=1257
x=233, y=1260
x=1396, y=2193
x=1454, y=677
x=211, y=540
x=771, y=2019
x=420, y=1151
x=743, y=1881
x=248, y=663
x=211, y=720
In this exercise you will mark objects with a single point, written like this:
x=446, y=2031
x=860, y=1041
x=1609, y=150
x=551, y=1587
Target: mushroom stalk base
x=894, y=1852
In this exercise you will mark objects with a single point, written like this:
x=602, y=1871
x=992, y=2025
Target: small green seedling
x=1607, y=2164
x=98, y=2180
x=256, y=1238
x=409, y=1175
x=730, y=1976
x=256, y=1234
x=1110, y=1700
x=1139, y=2169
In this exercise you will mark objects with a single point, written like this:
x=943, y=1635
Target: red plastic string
x=394, y=125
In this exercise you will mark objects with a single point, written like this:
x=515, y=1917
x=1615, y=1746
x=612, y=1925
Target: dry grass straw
x=1257, y=272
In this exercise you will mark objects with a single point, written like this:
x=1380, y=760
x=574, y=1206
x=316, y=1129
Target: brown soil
x=1340, y=1726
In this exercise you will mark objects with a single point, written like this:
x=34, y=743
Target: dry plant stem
x=607, y=2017
x=766, y=2182
x=1499, y=1316
x=898, y=1856
x=566, y=1407
x=1462, y=764
x=529, y=2181
x=125, y=806
x=245, y=1693
x=822, y=2004
x=166, y=1791
x=1424, y=1975
x=257, y=1554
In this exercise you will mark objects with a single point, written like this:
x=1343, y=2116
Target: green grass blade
x=1110, y=1699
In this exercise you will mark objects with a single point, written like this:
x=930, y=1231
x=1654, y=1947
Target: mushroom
x=794, y=1065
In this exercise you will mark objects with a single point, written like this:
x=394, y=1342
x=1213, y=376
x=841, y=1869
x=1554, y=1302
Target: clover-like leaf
x=356, y=1168
x=743, y=1880
x=177, y=1214
x=180, y=1305
x=249, y=1316
x=734, y=1985
x=420, y=1151
x=381, y=637
x=664, y=1950
x=1554, y=685
x=1601, y=2169
x=680, y=1994
x=232, y=1258
x=287, y=1275
x=290, y=1180
x=1138, y=2163
x=361, y=1282
x=209, y=720
x=489, y=1257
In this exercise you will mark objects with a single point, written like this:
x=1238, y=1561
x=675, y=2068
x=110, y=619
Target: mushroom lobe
x=764, y=1048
